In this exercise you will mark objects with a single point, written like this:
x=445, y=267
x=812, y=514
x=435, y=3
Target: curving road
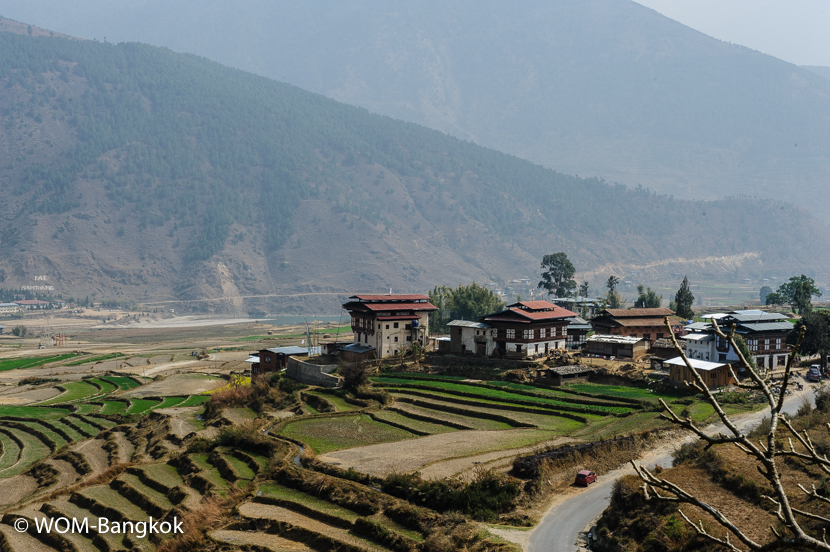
x=562, y=527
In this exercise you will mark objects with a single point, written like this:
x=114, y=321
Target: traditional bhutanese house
x=558, y=375
x=646, y=323
x=276, y=358
x=471, y=338
x=617, y=345
x=389, y=323
x=577, y=332
x=714, y=374
x=528, y=329
x=765, y=334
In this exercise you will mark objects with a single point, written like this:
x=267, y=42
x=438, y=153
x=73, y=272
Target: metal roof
x=534, y=305
x=357, y=306
x=252, y=358
x=699, y=337
x=468, y=324
x=767, y=326
x=696, y=364
x=357, y=348
x=389, y=298
x=295, y=350
x=698, y=326
x=756, y=316
x=615, y=339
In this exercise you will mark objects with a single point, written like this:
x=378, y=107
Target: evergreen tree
x=647, y=298
x=684, y=300
x=557, y=275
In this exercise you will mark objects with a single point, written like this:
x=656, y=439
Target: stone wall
x=312, y=374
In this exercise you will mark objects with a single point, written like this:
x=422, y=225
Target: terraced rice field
x=326, y=434
x=73, y=391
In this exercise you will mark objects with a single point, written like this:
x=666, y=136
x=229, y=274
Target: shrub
x=246, y=437
x=354, y=374
x=20, y=330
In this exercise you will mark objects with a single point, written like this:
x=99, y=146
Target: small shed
x=714, y=374
x=664, y=348
x=617, y=346
x=355, y=352
x=558, y=375
x=470, y=338
x=275, y=359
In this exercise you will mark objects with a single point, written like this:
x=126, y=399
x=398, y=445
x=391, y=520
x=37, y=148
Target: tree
x=557, y=275
x=613, y=300
x=765, y=291
x=583, y=291
x=683, y=300
x=781, y=444
x=20, y=330
x=468, y=302
x=647, y=298
x=798, y=293
x=816, y=335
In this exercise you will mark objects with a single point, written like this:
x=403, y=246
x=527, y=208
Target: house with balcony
x=389, y=323
x=471, y=338
x=528, y=329
x=649, y=323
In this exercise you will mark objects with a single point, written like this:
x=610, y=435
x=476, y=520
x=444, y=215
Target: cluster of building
x=383, y=325
x=24, y=304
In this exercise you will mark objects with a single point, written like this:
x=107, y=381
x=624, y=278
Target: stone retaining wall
x=312, y=374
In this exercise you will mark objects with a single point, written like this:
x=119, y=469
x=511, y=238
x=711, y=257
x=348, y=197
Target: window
x=511, y=333
x=542, y=333
x=387, y=326
x=267, y=359
x=396, y=324
x=396, y=339
x=766, y=344
x=409, y=338
x=659, y=336
x=407, y=327
x=528, y=334
x=753, y=344
x=778, y=343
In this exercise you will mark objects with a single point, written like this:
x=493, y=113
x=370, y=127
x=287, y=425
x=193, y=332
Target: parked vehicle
x=585, y=478
x=814, y=374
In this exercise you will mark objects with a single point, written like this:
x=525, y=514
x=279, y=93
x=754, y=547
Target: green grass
x=481, y=424
x=338, y=401
x=164, y=474
x=57, y=439
x=122, y=382
x=110, y=497
x=11, y=452
x=139, y=406
x=170, y=401
x=195, y=400
x=33, y=412
x=107, y=387
x=327, y=434
x=23, y=363
x=73, y=434
x=625, y=392
x=99, y=358
x=499, y=395
x=273, y=490
x=410, y=423
x=154, y=496
x=74, y=391
x=88, y=408
x=210, y=473
x=242, y=470
x=114, y=407
x=33, y=450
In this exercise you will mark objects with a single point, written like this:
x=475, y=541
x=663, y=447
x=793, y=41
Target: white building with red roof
x=528, y=329
x=389, y=323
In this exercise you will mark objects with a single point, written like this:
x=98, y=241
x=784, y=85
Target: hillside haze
x=133, y=172
x=590, y=87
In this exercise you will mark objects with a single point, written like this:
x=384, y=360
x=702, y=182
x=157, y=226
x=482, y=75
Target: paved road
x=561, y=527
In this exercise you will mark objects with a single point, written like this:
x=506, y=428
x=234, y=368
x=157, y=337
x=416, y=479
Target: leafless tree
x=766, y=452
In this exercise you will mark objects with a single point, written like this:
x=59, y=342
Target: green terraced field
x=114, y=407
x=33, y=450
x=122, y=382
x=88, y=408
x=480, y=424
x=497, y=394
x=99, y=358
x=33, y=412
x=49, y=432
x=163, y=473
x=410, y=423
x=107, y=387
x=273, y=490
x=327, y=434
x=171, y=401
x=339, y=402
x=242, y=470
x=69, y=430
x=139, y=406
x=195, y=400
x=74, y=391
x=210, y=473
x=625, y=392
x=23, y=363
x=11, y=452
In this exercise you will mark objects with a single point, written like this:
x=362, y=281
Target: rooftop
x=468, y=324
x=625, y=339
x=639, y=313
x=696, y=364
x=295, y=350
x=388, y=298
x=361, y=306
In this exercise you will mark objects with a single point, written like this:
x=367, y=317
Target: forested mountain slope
x=590, y=87
x=130, y=171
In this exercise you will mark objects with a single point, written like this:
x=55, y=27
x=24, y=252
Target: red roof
x=513, y=315
x=389, y=306
x=535, y=305
x=390, y=297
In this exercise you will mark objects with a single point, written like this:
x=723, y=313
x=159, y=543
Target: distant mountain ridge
x=590, y=87
x=134, y=172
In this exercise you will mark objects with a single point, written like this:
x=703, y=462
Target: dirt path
x=413, y=454
x=270, y=542
x=66, y=473
x=92, y=450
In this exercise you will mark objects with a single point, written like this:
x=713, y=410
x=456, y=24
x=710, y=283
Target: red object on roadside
x=585, y=478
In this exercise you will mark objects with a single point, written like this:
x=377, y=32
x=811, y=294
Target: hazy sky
x=793, y=30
